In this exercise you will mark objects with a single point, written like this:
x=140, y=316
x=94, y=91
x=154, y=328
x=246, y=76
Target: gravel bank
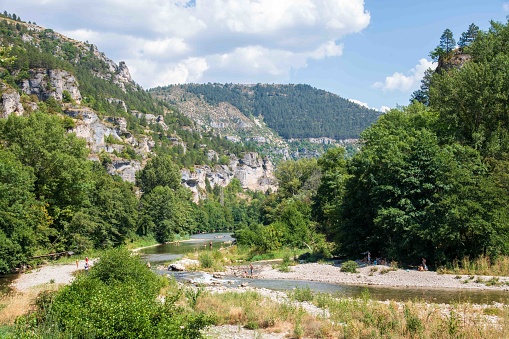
x=381, y=276
x=56, y=274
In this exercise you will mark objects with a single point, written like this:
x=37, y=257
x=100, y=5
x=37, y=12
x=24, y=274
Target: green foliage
x=447, y=44
x=164, y=213
x=349, y=266
x=159, y=171
x=468, y=37
x=117, y=299
x=23, y=219
x=321, y=114
x=206, y=260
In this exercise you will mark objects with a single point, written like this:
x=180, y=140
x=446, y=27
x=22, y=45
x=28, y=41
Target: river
x=164, y=253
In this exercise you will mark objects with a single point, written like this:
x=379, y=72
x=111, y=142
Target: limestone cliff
x=253, y=172
x=51, y=83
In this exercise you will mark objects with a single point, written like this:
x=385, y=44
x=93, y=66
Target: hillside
x=292, y=111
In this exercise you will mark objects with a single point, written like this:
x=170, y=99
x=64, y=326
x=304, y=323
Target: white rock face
x=253, y=173
x=46, y=83
x=11, y=103
x=126, y=169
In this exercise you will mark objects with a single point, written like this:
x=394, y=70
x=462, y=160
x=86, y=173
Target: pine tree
x=446, y=45
x=469, y=36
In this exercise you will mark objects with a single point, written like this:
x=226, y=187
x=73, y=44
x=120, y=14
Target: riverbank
x=48, y=274
x=383, y=276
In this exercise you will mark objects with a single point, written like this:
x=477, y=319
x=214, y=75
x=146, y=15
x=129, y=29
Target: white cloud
x=181, y=41
x=359, y=102
x=384, y=109
x=406, y=83
x=505, y=6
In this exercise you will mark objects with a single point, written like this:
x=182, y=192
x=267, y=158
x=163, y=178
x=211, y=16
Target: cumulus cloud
x=406, y=83
x=505, y=6
x=384, y=109
x=191, y=41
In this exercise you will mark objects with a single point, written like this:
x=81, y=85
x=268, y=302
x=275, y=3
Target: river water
x=168, y=252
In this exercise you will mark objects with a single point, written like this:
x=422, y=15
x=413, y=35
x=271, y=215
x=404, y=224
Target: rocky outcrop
x=151, y=119
x=125, y=168
x=95, y=132
x=118, y=102
x=253, y=172
x=456, y=59
x=11, y=102
x=47, y=83
x=118, y=74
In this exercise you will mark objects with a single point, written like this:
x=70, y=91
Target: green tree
x=159, y=171
x=422, y=94
x=329, y=197
x=445, y=47
x=469, y=36
x=165, y=212
x=117, y=299
x=24, y=223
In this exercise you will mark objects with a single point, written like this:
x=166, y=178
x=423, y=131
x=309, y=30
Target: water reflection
x=198, y=242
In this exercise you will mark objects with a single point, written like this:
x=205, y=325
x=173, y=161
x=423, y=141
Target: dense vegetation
x=293, y=111
x=432, y=180
x=117, y=299
x=53, y=199
x=429, y=181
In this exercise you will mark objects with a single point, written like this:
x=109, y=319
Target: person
x=424, y=267
x=77, y=263
x=86, y=260
x=86, y=266
x=148, y=264
x=210, y=245
x=251, y=269
x=369, y=258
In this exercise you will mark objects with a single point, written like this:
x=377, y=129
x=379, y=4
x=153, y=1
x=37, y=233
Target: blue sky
x=373, y=52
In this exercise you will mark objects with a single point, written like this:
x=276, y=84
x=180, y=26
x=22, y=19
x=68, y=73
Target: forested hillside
x=63, y=104
x=293, y=111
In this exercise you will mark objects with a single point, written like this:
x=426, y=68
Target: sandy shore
x=380, y=276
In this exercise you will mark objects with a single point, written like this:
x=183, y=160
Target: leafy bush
x=117, y=299
x=302, y=294
x=206, y=260
x=349, y=266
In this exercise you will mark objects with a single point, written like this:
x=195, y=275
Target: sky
x=373, y=52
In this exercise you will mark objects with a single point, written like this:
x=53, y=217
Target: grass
x=341, y=317
x=354, y=318
x=481, y=266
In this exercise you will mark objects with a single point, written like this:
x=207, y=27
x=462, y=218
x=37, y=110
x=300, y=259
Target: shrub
x=302, y=294
x=117, y=299
x=349, y=266
x=206, y=260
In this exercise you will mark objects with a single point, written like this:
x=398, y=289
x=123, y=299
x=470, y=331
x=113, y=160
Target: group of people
x=381, y=261
x=377, y=261
x=87, y=265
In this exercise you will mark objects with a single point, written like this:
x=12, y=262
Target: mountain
x=292, y=111
x=204, y=127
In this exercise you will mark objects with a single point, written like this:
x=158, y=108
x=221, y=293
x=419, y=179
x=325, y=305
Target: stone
x=176, y=267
